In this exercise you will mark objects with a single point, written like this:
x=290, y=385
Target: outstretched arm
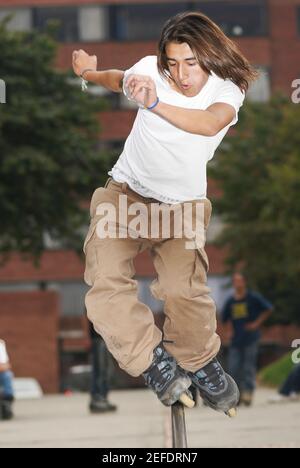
x=109, y=79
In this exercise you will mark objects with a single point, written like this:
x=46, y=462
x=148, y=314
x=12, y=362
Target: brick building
x=41, y=310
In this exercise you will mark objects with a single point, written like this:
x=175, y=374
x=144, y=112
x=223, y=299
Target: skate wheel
x=186, y=400
x=232, y=413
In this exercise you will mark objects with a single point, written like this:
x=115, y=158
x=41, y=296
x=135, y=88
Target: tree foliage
x=49, y=161
x=258, y=170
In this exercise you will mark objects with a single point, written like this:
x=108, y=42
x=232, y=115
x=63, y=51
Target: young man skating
x=189, y=95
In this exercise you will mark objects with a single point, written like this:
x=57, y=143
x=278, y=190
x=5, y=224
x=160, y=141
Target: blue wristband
x=153, y=105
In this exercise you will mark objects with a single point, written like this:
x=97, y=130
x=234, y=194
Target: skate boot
x=167, y=380
x=217, y=389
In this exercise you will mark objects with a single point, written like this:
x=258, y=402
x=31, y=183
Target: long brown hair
x=212, y=48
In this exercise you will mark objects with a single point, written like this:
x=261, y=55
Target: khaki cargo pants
x=127, y=325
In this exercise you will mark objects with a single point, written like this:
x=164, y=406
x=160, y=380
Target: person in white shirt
x=6, y=388
x=188, y=95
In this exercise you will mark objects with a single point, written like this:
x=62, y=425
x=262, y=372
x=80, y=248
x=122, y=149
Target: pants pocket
x=199, y=276
x=91, y=231
x=91, y=260
x=203, y=258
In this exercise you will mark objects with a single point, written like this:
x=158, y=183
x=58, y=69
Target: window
x=93, y=23
x=216, y=226
x=143, y=22
x=145, y=296
x=17, y=286
x=72, y=296
x=67, y=17
x=247, y=18
x=260, y=90
x=21, y=20
x=113, y=148
x=219, y=286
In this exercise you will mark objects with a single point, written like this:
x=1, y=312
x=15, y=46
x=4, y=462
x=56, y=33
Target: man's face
x=185, y=69
x=239, y=282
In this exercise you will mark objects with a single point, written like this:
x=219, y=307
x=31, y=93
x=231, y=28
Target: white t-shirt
x=3, y=353
x=162, y=161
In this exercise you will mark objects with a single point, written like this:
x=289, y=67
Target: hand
x=81, y=60
x=142, y=89
x=5, y=367
x=252, y=326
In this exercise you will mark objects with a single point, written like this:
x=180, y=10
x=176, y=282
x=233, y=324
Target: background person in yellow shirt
x=247, y=311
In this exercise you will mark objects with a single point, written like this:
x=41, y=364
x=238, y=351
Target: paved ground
x=141, y=421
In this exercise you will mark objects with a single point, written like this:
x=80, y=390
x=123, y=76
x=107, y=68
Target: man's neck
x=240, y=294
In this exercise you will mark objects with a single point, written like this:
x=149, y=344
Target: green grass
x=275, y=374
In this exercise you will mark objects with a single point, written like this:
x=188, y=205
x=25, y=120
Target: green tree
x=258, y=170
x=49, y=161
